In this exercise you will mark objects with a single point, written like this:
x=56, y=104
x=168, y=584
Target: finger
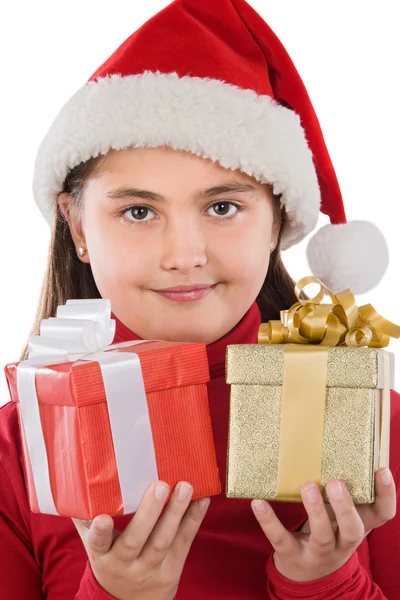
x=188, y=529
x=350, y=526
x=163, y=535
x=97, y=536
x=322, y=535
x=385, y=497
x=130, y=543
x=384, y=507
x=280, y=538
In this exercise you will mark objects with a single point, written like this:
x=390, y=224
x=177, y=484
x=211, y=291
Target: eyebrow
x=224, y=188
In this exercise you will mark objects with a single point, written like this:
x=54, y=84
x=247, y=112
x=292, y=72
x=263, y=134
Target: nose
x=183, y=247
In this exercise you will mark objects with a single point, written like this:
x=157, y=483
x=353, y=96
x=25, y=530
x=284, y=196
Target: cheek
x=115, y=256
x=246, y=256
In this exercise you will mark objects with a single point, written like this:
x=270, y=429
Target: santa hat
x=210, y=77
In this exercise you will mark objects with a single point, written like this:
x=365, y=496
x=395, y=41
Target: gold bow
x=340, y=323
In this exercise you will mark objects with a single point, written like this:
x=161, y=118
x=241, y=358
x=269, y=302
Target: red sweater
x=42, y=556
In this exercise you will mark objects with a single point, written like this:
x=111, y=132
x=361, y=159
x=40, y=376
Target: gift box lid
x=165, y=365
x=262, y=364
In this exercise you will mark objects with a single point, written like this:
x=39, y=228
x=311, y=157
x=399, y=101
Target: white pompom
x=353, y=255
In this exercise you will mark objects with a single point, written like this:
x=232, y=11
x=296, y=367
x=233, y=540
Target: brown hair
x=67, y=277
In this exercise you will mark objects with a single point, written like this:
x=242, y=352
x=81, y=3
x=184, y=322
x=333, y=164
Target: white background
x=346, y=52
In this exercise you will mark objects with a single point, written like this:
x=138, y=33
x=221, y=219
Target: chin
x=185, y=335
x=189, y=331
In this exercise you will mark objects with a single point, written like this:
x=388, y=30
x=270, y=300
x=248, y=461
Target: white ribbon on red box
x=84, y=330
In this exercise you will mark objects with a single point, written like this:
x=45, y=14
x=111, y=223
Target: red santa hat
x=210, y=77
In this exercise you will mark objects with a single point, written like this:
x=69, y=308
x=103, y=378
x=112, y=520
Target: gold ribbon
x=339, y=323
x=309, y=326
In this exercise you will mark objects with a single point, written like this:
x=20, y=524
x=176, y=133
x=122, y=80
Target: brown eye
x=224, y=209
x=139, y=212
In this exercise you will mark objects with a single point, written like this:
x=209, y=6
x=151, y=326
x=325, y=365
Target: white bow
x=80, y=327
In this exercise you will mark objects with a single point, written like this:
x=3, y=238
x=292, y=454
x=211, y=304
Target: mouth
x=187, y=293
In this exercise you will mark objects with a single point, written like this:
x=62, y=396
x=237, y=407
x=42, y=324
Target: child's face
x=179, y=241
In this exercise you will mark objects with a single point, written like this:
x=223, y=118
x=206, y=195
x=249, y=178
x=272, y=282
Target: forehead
x=167, y=164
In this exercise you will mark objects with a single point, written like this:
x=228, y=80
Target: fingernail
x=386, y=477
x=203, y=503
x=336, y=490
x=184, y=491
x=311, y=492
x=100, y=525
x=162, y=490
x=259, y=506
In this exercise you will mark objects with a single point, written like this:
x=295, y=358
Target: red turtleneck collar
x=245, y=332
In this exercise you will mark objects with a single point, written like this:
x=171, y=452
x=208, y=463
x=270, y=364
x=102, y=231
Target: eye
x=138, y=213
x=224, y=209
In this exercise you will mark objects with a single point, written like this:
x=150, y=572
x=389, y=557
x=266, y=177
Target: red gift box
x=170, y=439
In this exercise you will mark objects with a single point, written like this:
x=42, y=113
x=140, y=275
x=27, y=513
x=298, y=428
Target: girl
x=172, y=180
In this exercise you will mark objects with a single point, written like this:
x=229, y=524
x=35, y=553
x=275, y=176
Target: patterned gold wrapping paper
x=355, y=428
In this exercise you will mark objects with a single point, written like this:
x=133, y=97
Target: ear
x=69, y=211
x=277, y=212
x=275, y=233
x=276, y=227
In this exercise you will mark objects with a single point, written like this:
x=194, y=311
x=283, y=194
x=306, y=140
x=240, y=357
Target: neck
x=245, y=332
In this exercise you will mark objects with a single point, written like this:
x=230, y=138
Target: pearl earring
x=272, y=247
x=82, y=251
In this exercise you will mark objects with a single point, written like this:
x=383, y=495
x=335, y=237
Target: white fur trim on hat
x=352, y=255
x=235, y=127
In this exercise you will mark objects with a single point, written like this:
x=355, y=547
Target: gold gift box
x=354, y=421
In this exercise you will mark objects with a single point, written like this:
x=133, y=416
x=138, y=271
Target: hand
x=146, y=560
x=323, y=547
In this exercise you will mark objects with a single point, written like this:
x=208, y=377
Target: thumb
x=98, y=537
